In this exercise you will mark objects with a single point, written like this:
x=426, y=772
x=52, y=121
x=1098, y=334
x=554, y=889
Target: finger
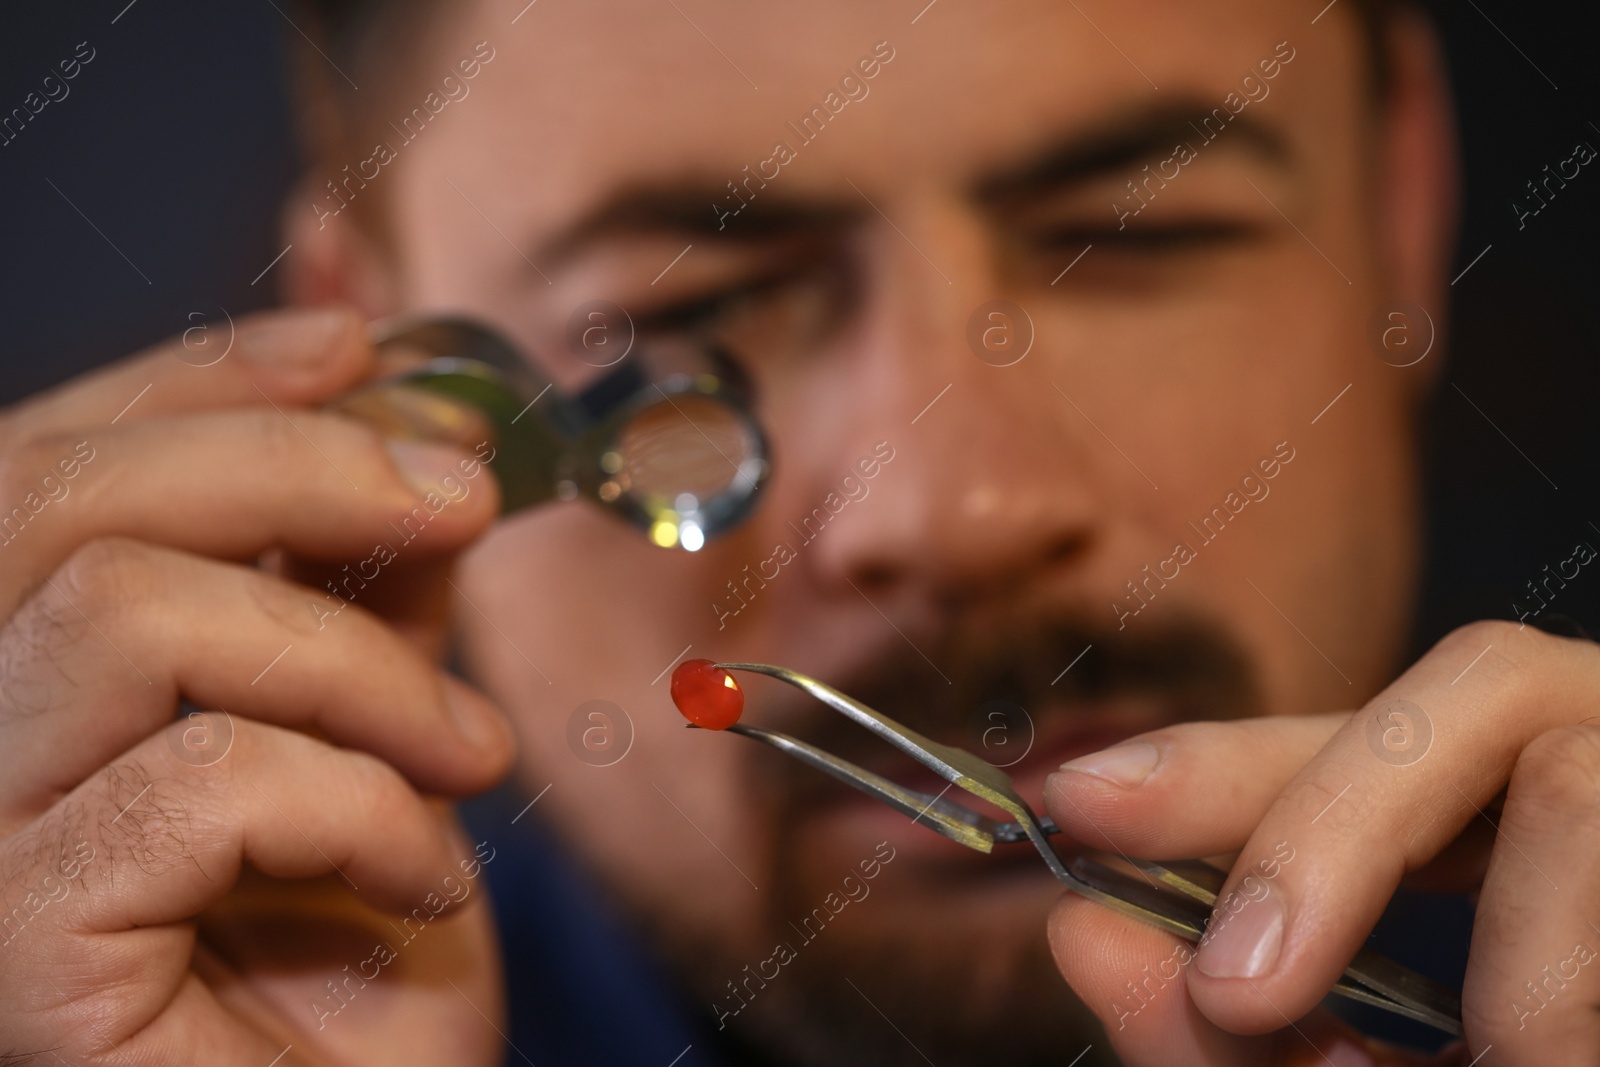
x=294, y=356
x=1372, y=805
x=1532, y=979
x=170, y=837
x=133, y=855
x=1185, y=791
x=234, y=484
x=1134, y=978
x=165, y=625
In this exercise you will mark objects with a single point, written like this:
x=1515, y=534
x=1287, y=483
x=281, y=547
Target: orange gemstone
x=707, y=695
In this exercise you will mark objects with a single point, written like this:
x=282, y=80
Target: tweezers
x=1176, y=896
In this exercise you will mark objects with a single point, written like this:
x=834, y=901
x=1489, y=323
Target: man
x=1168, y=479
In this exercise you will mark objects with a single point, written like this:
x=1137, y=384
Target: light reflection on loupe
x=666, y=439
x=677, y=453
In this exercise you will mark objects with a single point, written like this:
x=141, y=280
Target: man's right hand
x=185, y=891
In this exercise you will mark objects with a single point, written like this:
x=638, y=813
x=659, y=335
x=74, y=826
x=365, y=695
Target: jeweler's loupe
x=666, y=438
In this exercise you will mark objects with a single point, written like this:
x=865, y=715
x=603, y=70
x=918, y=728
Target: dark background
x=175, y=142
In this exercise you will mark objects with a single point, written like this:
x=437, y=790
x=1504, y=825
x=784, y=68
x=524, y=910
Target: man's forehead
x=588, y=103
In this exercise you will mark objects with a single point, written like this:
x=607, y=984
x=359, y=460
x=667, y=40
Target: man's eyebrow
x=696, y=207
x=1131, y=139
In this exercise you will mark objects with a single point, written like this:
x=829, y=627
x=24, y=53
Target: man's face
x=950, y=539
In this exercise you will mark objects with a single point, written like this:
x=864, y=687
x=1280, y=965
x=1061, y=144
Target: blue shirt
x=582, y=986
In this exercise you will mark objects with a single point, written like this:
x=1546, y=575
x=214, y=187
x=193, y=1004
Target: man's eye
x=704, y=309
x=771, y=317
x=694, y=314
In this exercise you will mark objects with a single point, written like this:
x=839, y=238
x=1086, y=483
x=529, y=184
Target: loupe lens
x=690, y=463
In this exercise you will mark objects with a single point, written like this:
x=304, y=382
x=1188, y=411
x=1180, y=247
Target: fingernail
x=297, y=339
x=1349, y=1054
x=423, y=465
x=1247, y=939
x=1127, y=765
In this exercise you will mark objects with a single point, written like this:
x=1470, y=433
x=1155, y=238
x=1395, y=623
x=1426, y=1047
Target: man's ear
x=334, y=259
x=1418, y=177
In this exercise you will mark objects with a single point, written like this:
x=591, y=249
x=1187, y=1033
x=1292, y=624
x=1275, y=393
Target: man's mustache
x=949, y=688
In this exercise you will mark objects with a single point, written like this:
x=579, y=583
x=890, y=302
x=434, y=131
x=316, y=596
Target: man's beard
x=943, y=965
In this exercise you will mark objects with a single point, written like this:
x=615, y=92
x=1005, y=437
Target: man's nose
x=986, y=491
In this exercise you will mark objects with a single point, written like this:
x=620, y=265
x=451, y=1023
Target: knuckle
x=1471, y=638
x=97, y=586
x=106, y=573
x=1559, y=770
x=33, y=667
x=1516, y=642
x=1522, y=649
x=143, y=819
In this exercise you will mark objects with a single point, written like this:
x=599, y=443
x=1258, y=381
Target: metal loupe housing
x=666, y=439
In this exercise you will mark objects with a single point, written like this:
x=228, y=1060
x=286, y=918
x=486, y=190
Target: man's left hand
x=1477, y=770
